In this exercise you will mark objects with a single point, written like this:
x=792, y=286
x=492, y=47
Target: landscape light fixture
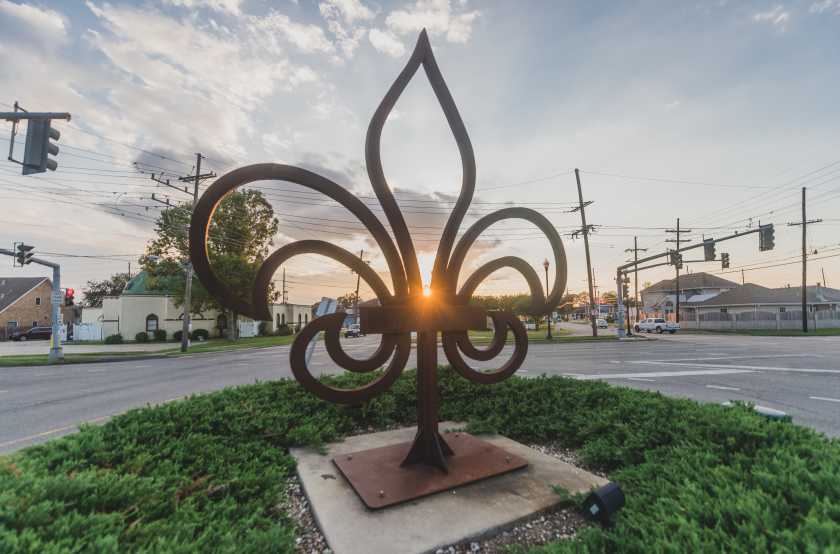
x=603, y=504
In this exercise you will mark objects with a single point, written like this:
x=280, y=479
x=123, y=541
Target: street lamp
x=548, y=317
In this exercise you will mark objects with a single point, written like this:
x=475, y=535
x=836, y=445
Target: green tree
x=608, y=297
x=347, y=301
x=240, y=236
x=95, y=291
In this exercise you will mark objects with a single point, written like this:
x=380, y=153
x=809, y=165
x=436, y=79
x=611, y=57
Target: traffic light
x=24, y=254
x=676, y=259
x=709, y=253
x=625, y=289
x=68, y=297
x=724, y=260
x=38, y=147
x=766, y=237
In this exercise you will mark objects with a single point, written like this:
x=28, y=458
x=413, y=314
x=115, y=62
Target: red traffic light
x=69, y=293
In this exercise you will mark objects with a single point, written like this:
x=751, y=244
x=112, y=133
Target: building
x=752, y=306
x=141, y=308
x=660, y=299
x=24, y=302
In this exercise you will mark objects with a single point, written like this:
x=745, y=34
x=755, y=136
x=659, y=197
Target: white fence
x=762, y=319
x=249, y=329
x=87, y=331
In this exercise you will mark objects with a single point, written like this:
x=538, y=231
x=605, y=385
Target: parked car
x=35, y=333
x=656, y=324
x=602, y=323
x=354, y=331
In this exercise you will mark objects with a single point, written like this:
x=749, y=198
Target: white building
x=140, y=309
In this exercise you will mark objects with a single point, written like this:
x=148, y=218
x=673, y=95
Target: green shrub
x=176, y=336
x=262, y=328
x=142, y=336
x=114, y=339
x=205, y=474
x=160, y=335
x=200, y=334
x=284, y=331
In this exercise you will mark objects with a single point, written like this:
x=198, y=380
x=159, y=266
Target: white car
x=656, y=324
x=602, y=323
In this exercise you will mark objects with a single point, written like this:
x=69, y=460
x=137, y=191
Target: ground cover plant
x=207, y=474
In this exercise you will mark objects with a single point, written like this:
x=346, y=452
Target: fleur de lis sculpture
x=446, y=310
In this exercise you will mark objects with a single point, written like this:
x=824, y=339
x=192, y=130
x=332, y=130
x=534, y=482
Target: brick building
x=24, y=302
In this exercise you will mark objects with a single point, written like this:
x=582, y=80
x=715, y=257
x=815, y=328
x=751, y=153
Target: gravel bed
x=542, y=528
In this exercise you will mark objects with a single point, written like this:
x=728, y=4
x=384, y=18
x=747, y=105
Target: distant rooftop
x=692, y=281
x=12, y=288
x=140, y=285
x=749, y=294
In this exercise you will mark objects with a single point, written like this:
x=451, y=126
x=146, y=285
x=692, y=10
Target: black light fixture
x=604, y=503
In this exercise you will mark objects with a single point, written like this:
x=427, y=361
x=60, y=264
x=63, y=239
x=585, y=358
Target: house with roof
x=141, y=307
x=751, y=306
x=26, y=302
x=660, y=299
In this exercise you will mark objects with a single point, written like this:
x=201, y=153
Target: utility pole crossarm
x=17, y=116
x=166, y=182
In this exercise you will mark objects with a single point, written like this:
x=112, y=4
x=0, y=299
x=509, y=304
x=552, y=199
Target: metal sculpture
x=446, y=310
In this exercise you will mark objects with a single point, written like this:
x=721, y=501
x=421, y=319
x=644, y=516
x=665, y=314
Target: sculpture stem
x=429, y=447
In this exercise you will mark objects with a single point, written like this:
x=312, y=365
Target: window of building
x=34, y=323
x=12, y=324
x=724, y=310
x=282, y=319
x=300, y=320
x=37, y=300
x=151, y=323
x=306, y=318
x=278, y=320
x=782, y=310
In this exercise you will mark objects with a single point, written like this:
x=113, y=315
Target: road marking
x=656, y=374
x=517, y=371
x=715, y=358
x=720, y=387
x=747, y=367
x=824, y=398
x=51, y=432
x=615, y=361
x=2, y=391
x=641, y=379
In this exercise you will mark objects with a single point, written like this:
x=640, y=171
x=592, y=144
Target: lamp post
x=548, y=317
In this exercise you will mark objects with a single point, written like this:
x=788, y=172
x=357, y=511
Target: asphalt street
x=800, y=376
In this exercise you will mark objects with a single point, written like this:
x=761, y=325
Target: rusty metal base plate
x=378, y=479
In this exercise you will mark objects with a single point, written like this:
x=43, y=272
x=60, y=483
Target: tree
x=239, y=239
x=347, y=301
x=608, y=297
x=95, y=291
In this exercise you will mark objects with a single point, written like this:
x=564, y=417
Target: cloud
x=349, y=10
x=777, y=17
x=826, y=6
x=40, y=27
x=436, y=16
x=228, y=6
x=306, y=38
x=386, y=42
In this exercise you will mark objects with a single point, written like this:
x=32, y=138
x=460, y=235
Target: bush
x=284, y=330
x=142, y=336
x=176, y=336
x=205, y=474
x=200, y=334
x=160, y=335
x=263, y=328
x=114, y=339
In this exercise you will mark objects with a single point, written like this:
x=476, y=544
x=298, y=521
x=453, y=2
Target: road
x=800, y=376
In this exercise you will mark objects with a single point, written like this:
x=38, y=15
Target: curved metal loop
x=422, y=54
x=209, y=201
x=331, y=324
x=539, y=303
x=456, y=342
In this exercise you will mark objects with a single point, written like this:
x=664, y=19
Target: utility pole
x=804, y=223
x=358, y=282
x=822, y=269
x=284, y=292
x=742, y=276
x=585, y=229
x=678, y=264
x=196, y=179
x=635, y=251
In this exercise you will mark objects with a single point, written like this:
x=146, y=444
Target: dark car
x=35, y=333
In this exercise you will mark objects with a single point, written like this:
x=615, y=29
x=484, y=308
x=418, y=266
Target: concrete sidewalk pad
x=479, y=509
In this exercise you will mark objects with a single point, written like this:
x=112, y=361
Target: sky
x=717, y=113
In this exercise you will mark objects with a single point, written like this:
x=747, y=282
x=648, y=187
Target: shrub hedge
x=114, y=339
x=142, y=336
x=160, y=335
x=206, y=474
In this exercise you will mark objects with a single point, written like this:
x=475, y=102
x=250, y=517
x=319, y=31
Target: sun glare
x=427, y=291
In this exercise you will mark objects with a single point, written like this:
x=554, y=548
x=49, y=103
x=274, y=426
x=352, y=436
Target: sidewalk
x=29, y=348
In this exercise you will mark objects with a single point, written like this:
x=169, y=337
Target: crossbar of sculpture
x=446, y=311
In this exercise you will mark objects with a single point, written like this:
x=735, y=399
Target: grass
x=828, y=332
x=208, y=473
x=218, y=345
x=539, y=336
x=41, y=359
